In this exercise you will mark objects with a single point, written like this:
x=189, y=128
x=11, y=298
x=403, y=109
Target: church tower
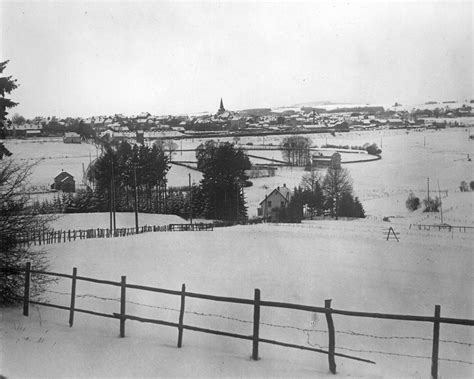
x=221, y=108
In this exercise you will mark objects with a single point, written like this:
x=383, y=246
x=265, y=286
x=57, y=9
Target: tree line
x=331, y=194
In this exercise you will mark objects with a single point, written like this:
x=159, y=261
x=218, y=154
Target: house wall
x=271, y=204
x=72, y=139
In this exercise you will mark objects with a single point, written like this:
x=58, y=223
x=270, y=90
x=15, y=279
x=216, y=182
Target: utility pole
x=428, y=182
x=113, y=197
x=190, y=200
x=440, y=203
x=110, y=211
x=136, y=197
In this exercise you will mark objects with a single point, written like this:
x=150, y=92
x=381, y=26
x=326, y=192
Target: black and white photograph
x=249, y=189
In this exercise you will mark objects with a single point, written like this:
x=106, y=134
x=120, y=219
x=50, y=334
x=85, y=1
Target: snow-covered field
x=349, y=262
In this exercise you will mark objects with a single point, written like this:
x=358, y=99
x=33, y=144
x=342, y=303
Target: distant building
x=326, y=158
x=140, y=137
x=71, y=137
x=64, y=182
x=24, y=130
x=221, y=108
x=273, y=202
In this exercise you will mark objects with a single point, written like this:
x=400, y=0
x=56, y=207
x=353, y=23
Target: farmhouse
x=273, y=202
x=71, y=137
x=64, y=182
x=24, y=130
x=326, y=158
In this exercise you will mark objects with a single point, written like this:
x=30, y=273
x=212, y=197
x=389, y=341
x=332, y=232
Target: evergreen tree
x=337, y=186
x=350, y=206
x=125, y=163
x=7, y=85
x=293, y=211
x=313, y=193
x=223, y=168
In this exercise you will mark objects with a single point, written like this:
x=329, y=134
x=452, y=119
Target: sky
x=81, y=59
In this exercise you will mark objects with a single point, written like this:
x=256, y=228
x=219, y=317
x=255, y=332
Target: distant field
x=408, y=159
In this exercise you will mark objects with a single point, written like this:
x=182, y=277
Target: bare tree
x=336, y=183
x=167, y=145
x=296, y=150
x=18, y=225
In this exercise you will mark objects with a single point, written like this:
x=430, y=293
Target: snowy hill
x=347, y=261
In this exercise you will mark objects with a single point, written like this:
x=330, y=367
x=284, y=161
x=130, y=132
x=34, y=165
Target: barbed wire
x=306, y=331
x=350, y=332
x=403, y=355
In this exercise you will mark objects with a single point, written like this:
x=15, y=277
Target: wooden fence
x=257, y=303
x=442, y=227
x=46, y=237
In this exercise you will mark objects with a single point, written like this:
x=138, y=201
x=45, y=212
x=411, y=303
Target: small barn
x=64, y=182
x=71, y=137
x=325, y=159
x=273, y=202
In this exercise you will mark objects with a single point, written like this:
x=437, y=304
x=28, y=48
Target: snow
x=348, y=261
x=303, y=264
x=102, y=220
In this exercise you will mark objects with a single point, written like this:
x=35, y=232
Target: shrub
x=373, y=149
x=432, y=204
x=413, y=202
x=463, y=187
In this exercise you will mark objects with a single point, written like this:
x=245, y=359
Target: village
x=236, y=189
x=283, y=120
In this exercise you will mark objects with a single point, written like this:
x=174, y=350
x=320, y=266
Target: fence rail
x=442, y=227
x=257, y=304
x=46, y=237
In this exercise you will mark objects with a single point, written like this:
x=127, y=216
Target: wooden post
x=122, y=305
x=256, y=324
x=73, y=297
x=434, y=356
x=26, y=293
x=181, y=316
x=332, y=338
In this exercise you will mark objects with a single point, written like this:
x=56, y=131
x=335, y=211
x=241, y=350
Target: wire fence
x=329, y=349
x=46, y=237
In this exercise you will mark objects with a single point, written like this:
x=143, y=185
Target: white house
x=273, y=202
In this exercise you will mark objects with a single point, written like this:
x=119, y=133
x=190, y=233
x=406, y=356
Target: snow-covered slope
x=347, y=261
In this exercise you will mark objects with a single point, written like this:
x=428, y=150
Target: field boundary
x=47, y=237
x=256, y=303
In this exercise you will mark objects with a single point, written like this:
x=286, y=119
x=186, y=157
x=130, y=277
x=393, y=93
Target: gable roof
x=63, y=175
x=324, y=154
x=284, y=192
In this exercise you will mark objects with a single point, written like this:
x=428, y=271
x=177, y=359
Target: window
x=282, y=204
x=269, y=204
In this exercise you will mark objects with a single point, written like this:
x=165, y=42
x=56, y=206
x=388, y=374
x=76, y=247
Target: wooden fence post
x=73, y=296
x=122, y=305
x=26, y=293
x=332, y=338
x=434, y=356
x=181, y=316
x=256, y=324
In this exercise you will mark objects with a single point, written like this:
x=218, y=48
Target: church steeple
x=221, y=107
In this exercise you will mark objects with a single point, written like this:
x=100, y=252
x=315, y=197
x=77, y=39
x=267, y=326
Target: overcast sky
x=95, y=58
